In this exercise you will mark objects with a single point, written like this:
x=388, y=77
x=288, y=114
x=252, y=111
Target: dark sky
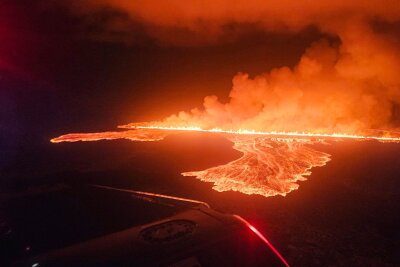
x=57, y=78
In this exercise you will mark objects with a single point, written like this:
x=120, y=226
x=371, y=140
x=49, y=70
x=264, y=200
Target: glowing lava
x=133, y=135
x=285, y=135
x=268, y=167
x=271, y=164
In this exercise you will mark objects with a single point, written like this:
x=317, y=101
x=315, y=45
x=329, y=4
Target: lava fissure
x=272, y=163
x=268, y=166
x=278, y=134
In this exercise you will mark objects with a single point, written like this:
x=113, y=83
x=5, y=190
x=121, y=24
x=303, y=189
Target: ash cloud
x=346, y=86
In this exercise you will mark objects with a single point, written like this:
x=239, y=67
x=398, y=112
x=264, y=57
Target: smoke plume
x=349, y=85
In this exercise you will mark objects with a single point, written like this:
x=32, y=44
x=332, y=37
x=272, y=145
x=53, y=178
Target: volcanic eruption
x=345, y=85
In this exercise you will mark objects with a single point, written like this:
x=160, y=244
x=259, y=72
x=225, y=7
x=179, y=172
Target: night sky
x=57, y=78
x=64, y=69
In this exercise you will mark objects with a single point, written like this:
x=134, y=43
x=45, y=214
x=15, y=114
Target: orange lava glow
x=272, y=162
x=270, y=134
x=133, y=135
x=267, y=167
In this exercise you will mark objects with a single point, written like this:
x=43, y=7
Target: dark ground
x=346, y=214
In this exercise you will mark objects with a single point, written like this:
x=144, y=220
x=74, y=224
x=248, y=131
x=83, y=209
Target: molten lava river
x=271, y=163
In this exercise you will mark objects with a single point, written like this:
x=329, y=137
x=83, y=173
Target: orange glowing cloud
x=345, y=86
x=333, y=88
x=173, y=21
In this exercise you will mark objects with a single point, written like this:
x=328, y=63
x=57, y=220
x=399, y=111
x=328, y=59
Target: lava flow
x=133, y=135
x=267, y=167
x=271, y=164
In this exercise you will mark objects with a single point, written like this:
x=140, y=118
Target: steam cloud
x=346, y=86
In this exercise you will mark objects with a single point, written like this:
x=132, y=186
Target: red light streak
x=263, y=238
